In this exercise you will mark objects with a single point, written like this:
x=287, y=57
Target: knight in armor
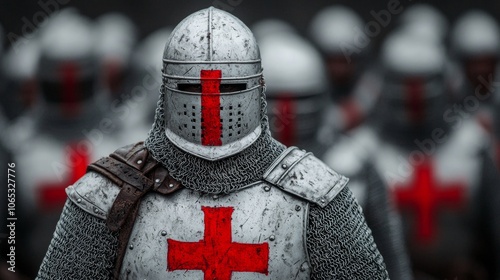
x=425, y=22
x=210, y=194
x=296, y=89
x=116, y=39
x=66, y=131
x=146, y=75
x=354, y=86
x=438, y=170
x=475, y=43
x=18, y=87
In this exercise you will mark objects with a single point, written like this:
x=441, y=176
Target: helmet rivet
x=170, y=185
x=131, y=247
x=157, y=180
x=297, y=208
x=139, y=161
x=272, y=238
x=163, y=233
x=284, y=166
x=79, y=200
x=267, y=188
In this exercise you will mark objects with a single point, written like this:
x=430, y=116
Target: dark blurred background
x=150, y=15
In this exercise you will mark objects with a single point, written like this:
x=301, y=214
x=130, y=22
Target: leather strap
x=136, y=172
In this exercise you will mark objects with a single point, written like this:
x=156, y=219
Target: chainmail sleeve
x=386, y=228
x=82, y=248
x=340, y=244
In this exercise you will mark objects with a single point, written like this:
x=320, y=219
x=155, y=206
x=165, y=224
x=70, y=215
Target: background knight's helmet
x=335, y=30
x=475, y=42
x=213, y=84
x=424, y=21
x=413, y=94
x=296, y=87
x=67, y=65
x=116, y=37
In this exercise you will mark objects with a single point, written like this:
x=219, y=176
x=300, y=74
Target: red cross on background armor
x=52, y=195
x=425, y=197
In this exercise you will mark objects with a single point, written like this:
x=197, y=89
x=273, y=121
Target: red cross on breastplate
x=424, y=196
x=211, y=127
x=52, y=195
x=216, y=255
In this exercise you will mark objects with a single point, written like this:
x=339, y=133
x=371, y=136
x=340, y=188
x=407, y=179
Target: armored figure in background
x=146, y=75
x=354, y=87
x=475, y=44
x=425, y=22
x=18, y=87
x=52, y=143
x=116, y=36
x=296, y=89
x=212, y=194
x=349, y=157
x=436, y=165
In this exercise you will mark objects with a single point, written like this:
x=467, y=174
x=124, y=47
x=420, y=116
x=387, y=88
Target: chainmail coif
x=82, y=248
x=220, y=176
x=340, y=244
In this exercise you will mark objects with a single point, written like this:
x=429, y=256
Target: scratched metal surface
x=262, y=214
x=92, y=199
x=212, y=39
x=301, y=173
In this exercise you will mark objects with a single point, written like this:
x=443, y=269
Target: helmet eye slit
x=190, y=87
x=223, y=88
x=232, y=87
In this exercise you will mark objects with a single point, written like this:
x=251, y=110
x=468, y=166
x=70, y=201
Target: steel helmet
x=213, y=84
x=413, y=93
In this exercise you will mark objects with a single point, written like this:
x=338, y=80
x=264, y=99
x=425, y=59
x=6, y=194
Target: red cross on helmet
x=67, y=65
x=212, y=84
x=414, y=89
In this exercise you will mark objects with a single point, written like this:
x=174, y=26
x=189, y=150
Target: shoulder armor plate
x=94, y=194
x=301, y=173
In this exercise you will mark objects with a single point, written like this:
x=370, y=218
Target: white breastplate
x=256, y=233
